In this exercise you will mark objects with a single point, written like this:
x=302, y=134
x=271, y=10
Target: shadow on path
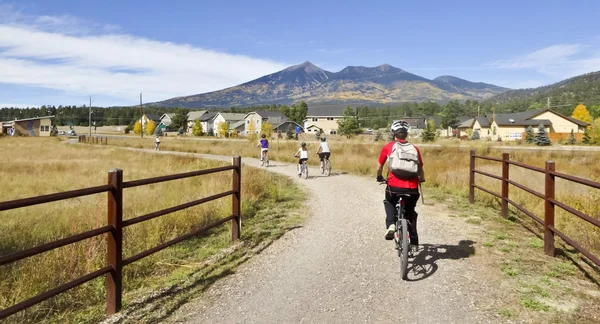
x=424, y=265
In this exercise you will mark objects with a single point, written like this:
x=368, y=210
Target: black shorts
x=302, y=160
x=324, y=155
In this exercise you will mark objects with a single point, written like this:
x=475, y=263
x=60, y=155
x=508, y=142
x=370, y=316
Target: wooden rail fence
x=548, y=196
x=114, y=230
x=93, y=139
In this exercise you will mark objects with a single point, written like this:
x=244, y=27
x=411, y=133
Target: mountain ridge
x=383, y=84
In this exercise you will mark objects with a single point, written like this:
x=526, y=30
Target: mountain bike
x=401, y=236
x=303, y=170
x=264, y=158
x=325, y=167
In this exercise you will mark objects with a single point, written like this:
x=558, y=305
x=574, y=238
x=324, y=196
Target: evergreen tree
x=529, y=135
x=475, y=135
x=572, y=140
x=428, y=134
x=348, y=126
x=289, y=134
x=378, y=136
x=180, y=119
x=586, y=137
x=542, y=138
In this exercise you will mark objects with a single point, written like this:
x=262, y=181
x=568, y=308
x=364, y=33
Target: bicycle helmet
x=323, y=139
x=263, y=136
x=400, y=126
x=303, y=144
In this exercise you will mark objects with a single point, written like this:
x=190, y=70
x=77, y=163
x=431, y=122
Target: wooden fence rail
x=93, y=139
x=114, y=231
x=548, y=196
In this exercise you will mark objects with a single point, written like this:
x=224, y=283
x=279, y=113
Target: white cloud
x=559, y=61
x=55, y=52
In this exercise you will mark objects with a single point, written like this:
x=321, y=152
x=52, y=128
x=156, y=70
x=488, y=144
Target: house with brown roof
x=508, y=127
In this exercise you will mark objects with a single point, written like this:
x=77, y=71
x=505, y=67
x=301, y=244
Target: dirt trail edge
x=338, y=268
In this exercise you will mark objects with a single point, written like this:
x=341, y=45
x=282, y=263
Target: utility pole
x=548, y=106
x=141, y=118
x=478, y=110
x=90, y=118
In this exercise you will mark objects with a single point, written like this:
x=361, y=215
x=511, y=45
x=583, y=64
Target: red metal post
x=236, y=223
x=114, y=280
x=549, y=209
x=472, y=178
x=505, y=177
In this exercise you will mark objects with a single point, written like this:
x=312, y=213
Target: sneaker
x=389, y=234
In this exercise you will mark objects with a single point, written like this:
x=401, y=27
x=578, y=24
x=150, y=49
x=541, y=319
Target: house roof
x=193, y=115
x=466, y=124
x=153, y=117
x=171, y=115
x=571, y=119
x=237, y=124
x=325, y=111
x=33, y=118
x=267, y=114
x=208, y=116
x=292, y=122
x=231, y=117
x=527, y=118
x=483, y=121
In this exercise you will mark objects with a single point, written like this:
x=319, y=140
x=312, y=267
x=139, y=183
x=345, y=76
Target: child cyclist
x=264, y=147
x=303, y=155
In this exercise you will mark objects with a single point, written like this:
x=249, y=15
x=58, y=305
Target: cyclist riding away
x=157, y=144
x=264, y=147
x=323, y=152
x=405, y=171
x=303, y=155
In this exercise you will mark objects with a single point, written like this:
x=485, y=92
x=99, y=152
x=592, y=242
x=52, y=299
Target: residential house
x=480, y=124
x=206, y=121
x=146, y=118
x=192, y=116
x=324, y=119
x=254, y=120
x=508, y=127
x=167, y=119
x=231, y=118
x=237, y=127
x=38, y=126
x=287, y=126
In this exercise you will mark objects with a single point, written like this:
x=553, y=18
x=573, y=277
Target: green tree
x=542, y=139
x=289, y=134
x=137, y=127
x=581, y=113
x=595, y=132
x=180, y=119
x=223, y=129
x=572, y=140
x=595, y=111
x=150, y=127
x=475, y=135
x=428, y=134
x=450, y=113
x=378, y=136
x=301, y=112
x=586, y=136
x=197, y=128
x=529, y=135
x=348, y=126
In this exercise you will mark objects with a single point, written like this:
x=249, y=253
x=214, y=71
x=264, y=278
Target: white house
x=324, y=119
x=231, y=118
x=192, y=116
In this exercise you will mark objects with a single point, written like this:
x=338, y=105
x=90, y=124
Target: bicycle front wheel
x=402, y=246
x=305, y=171
x=328, y=168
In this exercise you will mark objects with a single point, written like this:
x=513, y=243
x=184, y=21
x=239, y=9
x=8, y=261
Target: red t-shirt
x=392, y=180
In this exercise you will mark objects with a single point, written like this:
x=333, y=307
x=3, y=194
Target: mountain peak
x=387, y=68
x=307, y=66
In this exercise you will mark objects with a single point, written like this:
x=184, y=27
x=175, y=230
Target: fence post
x=114, y=280
x=472, y=178
x=505, y=177
x=549, y=209
x=236, y=223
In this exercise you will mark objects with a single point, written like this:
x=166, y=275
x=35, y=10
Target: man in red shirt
x=400, y=186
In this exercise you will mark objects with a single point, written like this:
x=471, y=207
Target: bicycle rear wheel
x=402, y=246
x=305, y=171
x=327, y=167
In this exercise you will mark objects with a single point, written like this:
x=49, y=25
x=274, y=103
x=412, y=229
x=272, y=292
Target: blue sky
x=62, y=51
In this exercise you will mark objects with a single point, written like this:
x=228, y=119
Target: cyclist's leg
x=389, y=205
x=299, y=166
x=411, y=216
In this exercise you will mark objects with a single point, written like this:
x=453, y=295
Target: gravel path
x=338, y=268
